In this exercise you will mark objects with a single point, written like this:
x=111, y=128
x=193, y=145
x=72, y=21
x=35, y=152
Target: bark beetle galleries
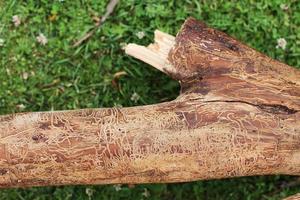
x=237, y=115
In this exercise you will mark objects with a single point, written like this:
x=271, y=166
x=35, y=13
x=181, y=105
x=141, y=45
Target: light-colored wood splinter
x=237, y=115
x=155, y=54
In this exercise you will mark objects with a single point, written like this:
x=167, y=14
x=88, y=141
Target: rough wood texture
x=294, y=197
x=237, y=115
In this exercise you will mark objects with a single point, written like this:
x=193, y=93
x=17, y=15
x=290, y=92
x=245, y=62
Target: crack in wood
x=270, y=108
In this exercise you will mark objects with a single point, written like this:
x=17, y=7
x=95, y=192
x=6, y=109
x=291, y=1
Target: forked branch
x=237, y=115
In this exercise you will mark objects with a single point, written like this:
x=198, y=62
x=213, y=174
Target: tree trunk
x=237, y=115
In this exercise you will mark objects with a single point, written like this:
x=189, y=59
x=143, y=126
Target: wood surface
x=237, y=115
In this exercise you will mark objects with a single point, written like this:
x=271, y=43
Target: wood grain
x=237, y=115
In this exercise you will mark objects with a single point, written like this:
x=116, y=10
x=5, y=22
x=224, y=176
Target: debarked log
x=237, y=115
x=294, y=197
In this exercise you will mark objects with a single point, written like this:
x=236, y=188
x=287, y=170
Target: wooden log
x=294, y=197
x=237, y=115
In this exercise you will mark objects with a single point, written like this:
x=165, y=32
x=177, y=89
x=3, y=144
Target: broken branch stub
x=237, y=115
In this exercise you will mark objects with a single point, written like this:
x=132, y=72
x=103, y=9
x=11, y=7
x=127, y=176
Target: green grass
x=62, y=77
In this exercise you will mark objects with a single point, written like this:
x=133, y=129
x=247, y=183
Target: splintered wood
x=155, y=54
